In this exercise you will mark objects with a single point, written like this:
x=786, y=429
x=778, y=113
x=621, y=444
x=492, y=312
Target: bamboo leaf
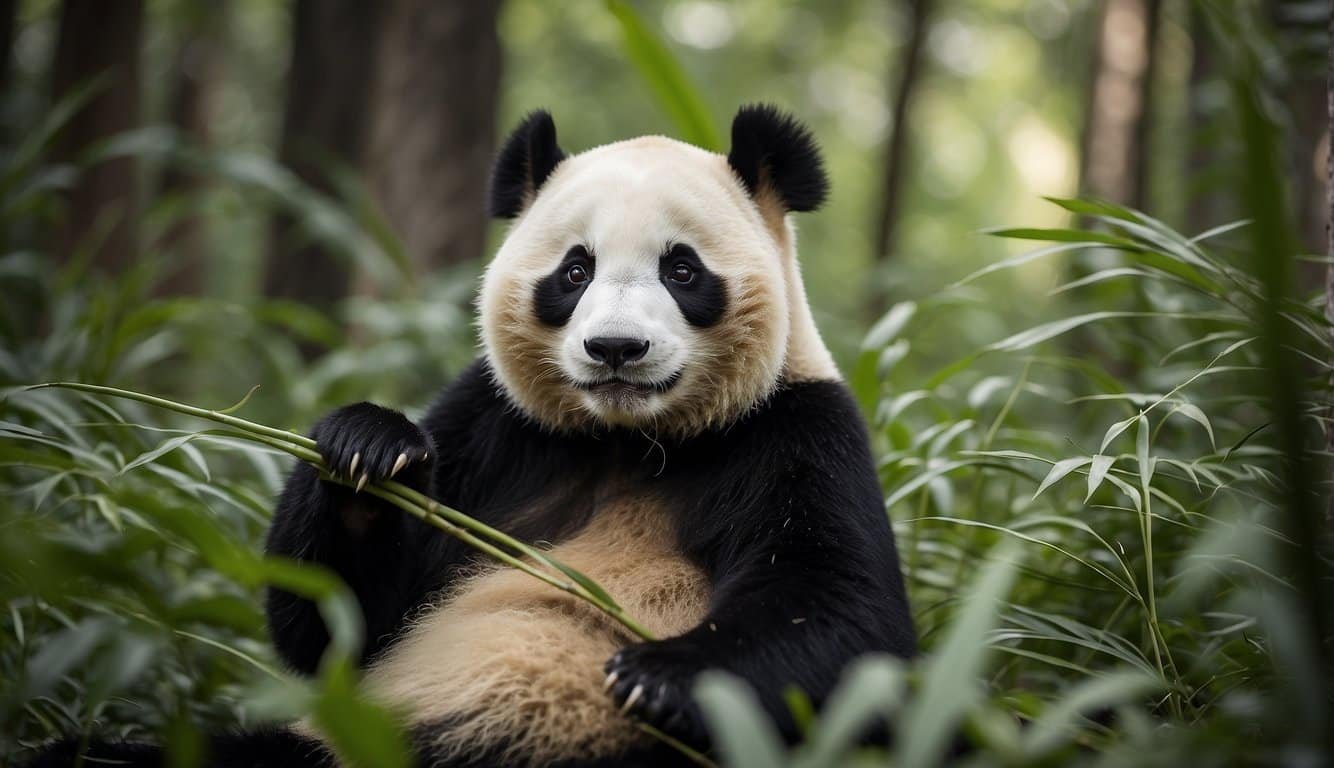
x=1098, y=467
x=1194, y=413
x=743, y=734
x=1059, y=470
x=665, y=77
x=951, y=678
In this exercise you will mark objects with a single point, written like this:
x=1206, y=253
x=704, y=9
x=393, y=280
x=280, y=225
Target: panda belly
x=509, y=663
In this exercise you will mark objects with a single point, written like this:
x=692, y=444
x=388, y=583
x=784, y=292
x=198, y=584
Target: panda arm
x=805, y=573
x=391, y=561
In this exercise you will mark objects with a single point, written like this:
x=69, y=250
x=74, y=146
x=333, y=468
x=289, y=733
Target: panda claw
x=361, y=483
x=611, y=680
x=352, y=468
x=399, y=464
x=632, y=699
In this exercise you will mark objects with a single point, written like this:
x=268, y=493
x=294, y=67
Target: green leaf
x=1114, y=431
x=871, y=688
x=1056, y=726
x=1066, y=236
x=888, y=327
x=1194, y=413
x=666, y=78
x=951, y=682
x=362, y=734
x=1021, y=259
x=1046, y=331
x=741, y=731
x=582, y=580
x=1093, y=207
x=167, y=446
x=1142, y=451
x=1059, y=470
x=1098, y=467
x=1128, y=490
x=1100, y=276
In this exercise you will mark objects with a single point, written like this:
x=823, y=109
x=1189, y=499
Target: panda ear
x=525, y=161
x=776, y=155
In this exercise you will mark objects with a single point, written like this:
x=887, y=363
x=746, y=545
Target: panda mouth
x=618, y=387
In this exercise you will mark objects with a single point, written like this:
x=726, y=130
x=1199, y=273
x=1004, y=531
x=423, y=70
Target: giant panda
x=654, y=403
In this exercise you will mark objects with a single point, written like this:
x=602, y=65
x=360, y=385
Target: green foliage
x=130, y=565
x=1127, y=455
x=668, y=81
x=1100, y=511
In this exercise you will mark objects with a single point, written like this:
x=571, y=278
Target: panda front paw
x=651, y=682
x=365, y=442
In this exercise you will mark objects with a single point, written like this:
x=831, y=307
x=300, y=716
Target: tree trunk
x=99, y=40
x=9, y=11
x=1329, y=242
x=1118, y=112
x=1142, y=195
x=324, y=124
x=1205, y=206
x=891, y=197
x=433, y=122
x=198, y=71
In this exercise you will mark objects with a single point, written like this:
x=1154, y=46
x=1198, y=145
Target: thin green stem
x=690, y=753
x=218, y=416
x=449, y=520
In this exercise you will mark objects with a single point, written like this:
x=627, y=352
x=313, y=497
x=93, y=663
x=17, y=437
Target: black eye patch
x=703, y=299
x=557, y=295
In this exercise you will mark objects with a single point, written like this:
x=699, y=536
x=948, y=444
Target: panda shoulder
x=813, y=415
x=472, y=401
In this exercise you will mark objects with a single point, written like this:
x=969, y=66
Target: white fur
x=627, y=202
x=506, y=659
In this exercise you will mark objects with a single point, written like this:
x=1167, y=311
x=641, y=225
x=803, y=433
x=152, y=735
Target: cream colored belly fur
x=510, y=660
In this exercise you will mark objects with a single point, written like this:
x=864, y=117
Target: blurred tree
x=1329, y=230
x=1205, y=189
x=1116, y=141
x=9, y=11
x=324, y=125
x=433, y=122
x=896, y=149
x=99, y=41
x=196, y=79
x=1301, y=29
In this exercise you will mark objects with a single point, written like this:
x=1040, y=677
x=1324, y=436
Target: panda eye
x=681, y=273
x=576, y=274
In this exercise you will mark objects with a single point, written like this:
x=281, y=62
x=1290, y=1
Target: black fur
x=555, y=297
x=525, y=161
x=772, y=151
x=782, y=510
x=704, y=299
x=350, y=529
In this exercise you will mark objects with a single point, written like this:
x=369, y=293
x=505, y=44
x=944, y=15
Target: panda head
x=649, y=283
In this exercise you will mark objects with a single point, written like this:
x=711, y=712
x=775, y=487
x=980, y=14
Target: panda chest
x=504, y=645
x=628, y=546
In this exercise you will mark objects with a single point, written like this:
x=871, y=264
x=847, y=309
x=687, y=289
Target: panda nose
x=615, y=351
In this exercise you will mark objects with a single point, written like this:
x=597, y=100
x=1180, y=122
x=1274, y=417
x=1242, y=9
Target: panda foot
x=650, y=682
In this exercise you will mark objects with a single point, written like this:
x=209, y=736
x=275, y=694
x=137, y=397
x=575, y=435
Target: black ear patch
x=773, y=152
x=525, y=161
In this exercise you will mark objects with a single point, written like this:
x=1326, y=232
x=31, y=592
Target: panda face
x=641, y=287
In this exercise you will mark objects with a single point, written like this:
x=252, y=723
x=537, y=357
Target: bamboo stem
x=449, y=520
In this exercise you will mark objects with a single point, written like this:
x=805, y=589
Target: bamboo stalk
x=470, y=531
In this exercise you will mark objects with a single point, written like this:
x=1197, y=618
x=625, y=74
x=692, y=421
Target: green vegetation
x=1110, y=507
